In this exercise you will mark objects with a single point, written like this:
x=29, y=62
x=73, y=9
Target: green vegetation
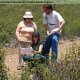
x=11, y=15
x=3, y=75
x=69, y=69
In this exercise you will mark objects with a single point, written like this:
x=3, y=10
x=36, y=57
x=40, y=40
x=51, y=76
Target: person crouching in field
x=37, y=46
x=24, y=34
x=53, y=23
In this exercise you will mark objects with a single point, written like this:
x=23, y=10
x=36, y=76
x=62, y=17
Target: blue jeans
x=52, y=41
x=35, y=57
x=27, y=58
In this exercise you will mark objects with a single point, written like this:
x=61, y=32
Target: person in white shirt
x=53, y=23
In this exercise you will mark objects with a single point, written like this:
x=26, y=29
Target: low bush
x=3, y=75
x=68, y=69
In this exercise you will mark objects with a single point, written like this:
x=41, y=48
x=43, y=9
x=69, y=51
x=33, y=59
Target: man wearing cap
x=24, y=33
x=53, y=23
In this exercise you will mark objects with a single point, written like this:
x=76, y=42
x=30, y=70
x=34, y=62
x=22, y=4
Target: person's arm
x=40, y=49
x=61, y=25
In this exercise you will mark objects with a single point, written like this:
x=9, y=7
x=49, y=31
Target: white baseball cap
x=28, y=14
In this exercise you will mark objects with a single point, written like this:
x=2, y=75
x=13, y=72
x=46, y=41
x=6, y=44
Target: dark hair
x=30, y=18
x=48, y=6
x=36, y=34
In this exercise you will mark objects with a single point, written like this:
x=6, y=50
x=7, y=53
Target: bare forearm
x=40, y=49
x=37, y=52
x=61, y=25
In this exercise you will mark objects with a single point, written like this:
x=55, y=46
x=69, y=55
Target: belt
x=52, y=24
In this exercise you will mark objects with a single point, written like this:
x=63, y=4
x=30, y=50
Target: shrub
x=68, y=69
x=3, y=75
x=26, y=73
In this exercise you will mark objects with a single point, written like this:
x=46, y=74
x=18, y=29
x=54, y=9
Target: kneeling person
x=37, y=48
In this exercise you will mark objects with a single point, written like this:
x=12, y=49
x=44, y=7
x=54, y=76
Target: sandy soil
x=11, y=61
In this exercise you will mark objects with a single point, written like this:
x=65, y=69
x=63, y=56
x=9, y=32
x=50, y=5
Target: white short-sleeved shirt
x=52, y=20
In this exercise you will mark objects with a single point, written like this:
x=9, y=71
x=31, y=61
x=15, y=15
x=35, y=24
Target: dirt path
x=11, y=59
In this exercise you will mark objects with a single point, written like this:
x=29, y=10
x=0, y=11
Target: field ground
x=11, y=61
x=11, y=57
x=11, y=15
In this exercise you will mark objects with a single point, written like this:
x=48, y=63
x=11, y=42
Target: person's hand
x=47, y=33
x=53, y=31
x=33, y=51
